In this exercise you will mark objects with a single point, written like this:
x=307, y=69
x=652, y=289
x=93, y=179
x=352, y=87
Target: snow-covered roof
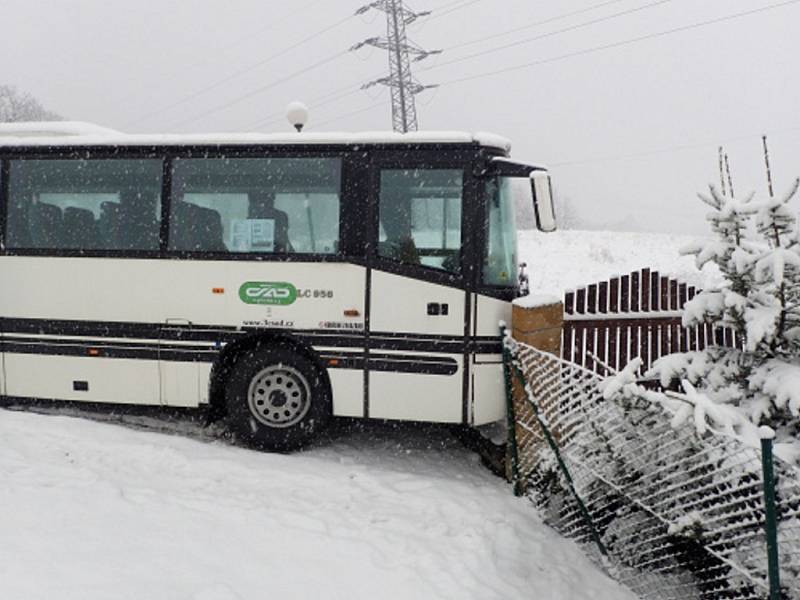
x=73, y=133
x=49, y=129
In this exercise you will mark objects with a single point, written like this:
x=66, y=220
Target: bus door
x=418, y=311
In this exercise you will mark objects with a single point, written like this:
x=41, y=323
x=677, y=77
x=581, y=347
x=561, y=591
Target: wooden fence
x=607, y=324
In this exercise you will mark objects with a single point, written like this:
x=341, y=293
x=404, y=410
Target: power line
x=350, y=89
x=263, y=88
x=277, y=117
x=241, y=40
x=550, y=34
x=350, y=114
x=436, y=15
x=619, y=44
x=327, y=98
x=447, y=5
x=536, y=24
x=669, y=149
x=240, y=72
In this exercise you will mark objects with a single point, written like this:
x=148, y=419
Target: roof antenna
x=297, y=114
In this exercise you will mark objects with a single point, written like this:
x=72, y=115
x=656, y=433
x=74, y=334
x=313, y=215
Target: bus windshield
x=500, y=255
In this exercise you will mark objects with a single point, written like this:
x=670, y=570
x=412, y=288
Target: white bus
x=277, y=280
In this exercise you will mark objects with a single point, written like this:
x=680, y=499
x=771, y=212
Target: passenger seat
x=47, y=225
x=80, y=229
x=196, y=229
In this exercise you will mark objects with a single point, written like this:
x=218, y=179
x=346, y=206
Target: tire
x=277, y=399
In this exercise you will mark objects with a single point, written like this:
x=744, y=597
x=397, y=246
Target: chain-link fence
x=671, y=514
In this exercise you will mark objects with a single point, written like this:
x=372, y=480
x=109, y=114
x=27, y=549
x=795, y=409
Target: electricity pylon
x=402, y=53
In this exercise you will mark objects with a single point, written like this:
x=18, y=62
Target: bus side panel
x=489, y=313
x=488, y=386
x=434, y=398
x=488, y=392
x=180, y=382
x=79, y=378
x=2, y=365
x=348, y=392
x=199, y=295
x=329, y=301
x=414, y=386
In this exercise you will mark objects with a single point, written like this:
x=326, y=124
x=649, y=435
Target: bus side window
x=256, y=205
x=94, y=204
x=420, y=217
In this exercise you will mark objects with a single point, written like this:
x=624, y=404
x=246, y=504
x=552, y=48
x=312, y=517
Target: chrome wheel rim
x=279, y=396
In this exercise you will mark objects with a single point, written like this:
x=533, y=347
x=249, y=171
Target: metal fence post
x=771, y=520
x=511, y=420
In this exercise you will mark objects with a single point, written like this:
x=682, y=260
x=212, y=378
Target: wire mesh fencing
x=670, y=513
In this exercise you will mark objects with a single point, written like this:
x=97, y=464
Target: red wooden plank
x=591, y=343
x=624, y=345
x=684, y=338
x=654, y=291
x=694, y=333
x=580, y=301
x=664, y=335
x=591, y=299
x=636, y=349
x=664, y=299
x=654, y=353
x=719, y=337
x=708, y=335
x=625, y=294
x=646, y=290
x=673, y=295
x=683, y=295
x=636, y=290
x=646, y=332
x=602, y=297
x=569, y=303
x=613, y=299
x=579, y=354
x=728, y=338
x=613, y=348
x=601, y=352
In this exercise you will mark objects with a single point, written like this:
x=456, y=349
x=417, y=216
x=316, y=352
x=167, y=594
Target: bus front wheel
x=277, y=399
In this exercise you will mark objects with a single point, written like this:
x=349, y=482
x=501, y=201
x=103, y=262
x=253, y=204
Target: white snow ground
x=92, y=510
x=100, y=511
x=564, y=260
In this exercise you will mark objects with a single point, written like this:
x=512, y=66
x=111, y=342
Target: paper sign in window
x=253, y=235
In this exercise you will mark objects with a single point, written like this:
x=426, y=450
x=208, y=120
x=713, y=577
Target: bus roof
x=75, y=133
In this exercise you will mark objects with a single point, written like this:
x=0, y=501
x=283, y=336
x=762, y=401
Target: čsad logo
x=268, y=292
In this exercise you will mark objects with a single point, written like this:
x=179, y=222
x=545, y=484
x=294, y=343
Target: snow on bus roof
x=72, y=133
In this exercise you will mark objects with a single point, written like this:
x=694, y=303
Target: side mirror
x=524, y=282
x=543, y=208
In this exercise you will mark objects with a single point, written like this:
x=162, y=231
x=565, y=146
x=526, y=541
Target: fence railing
x=669, y=513
x=634, y=315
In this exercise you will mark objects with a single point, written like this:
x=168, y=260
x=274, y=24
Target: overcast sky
x=630, y=132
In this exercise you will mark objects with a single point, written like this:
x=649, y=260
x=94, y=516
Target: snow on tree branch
x=734, y=391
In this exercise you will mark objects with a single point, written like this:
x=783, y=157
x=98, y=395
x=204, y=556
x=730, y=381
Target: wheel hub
x=279, y=396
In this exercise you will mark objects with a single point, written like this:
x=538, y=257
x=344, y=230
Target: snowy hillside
x=94, y=510
x=564, y=260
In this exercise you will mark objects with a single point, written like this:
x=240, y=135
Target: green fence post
x=771, y=519
x=511, y=420
x=548, y=436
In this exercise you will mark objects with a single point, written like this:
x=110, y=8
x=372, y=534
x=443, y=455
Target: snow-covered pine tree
x=775, y=381
x=756, y=247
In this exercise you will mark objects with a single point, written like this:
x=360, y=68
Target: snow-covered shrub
x=756, y=247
